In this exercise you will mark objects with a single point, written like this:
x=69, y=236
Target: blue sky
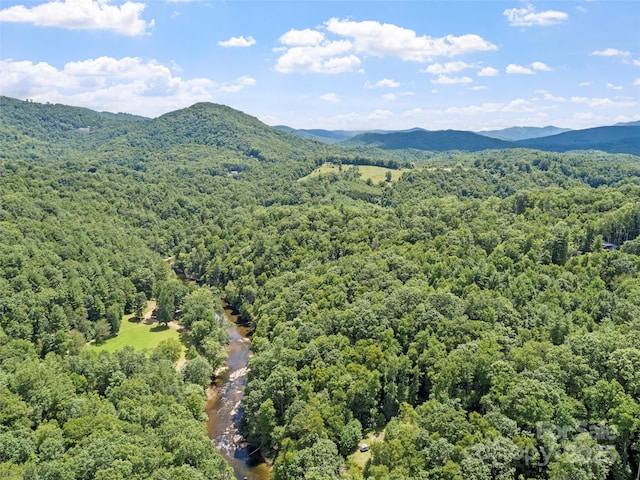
x=336, y=65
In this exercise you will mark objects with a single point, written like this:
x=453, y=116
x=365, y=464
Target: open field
x=376, y=174
x=139, y=335
x=361, y=458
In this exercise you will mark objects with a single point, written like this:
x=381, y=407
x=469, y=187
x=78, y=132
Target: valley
x=464, y=312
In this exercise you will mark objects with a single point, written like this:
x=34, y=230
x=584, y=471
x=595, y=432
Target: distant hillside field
x=376, y=174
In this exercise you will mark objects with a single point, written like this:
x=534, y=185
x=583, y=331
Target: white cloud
x=310, y=51
x=585, y=116
x=82, y=15
x=614, y=87
x=331, y=98
x=488, y=72
x=238, y=84
x=552, y=98
x=384, y=39
x=128, y=84
x=518, y=70
x=540, y=66
x=611, y=52
x=390, y=97
x=450, y=67
x=604, y=102
x=520, y=105
x=635, y=62
x=476, y=109
x=636, y=82
x=378, y=119
x=627, y=118
x=340, y=64
x=302, y=38
x=421, y=112
x=384, y=83
x=478, y=88
x=528, y=17
x=446, y=80
x=330, y=57
x=584, y=84
x=238, y=42
x=380, y=115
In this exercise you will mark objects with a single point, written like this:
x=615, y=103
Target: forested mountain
x=523, y=133
x=617, y=139
x=620, y=139
x=438, y=141
x=333, y=136
x=328, y=136
x=466, y=313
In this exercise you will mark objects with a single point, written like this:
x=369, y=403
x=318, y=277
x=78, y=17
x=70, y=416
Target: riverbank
x=224, y=404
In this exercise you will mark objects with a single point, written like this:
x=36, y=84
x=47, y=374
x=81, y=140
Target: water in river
x=224, y=411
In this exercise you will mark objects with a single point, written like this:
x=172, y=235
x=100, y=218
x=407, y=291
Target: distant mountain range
x=616, y=139
x=224, y=127
x=513, y=134
x=332, y=136
x=509, y=134
x=619, y=138
x=438, y=141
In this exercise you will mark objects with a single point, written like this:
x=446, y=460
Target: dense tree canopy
x=468, y=309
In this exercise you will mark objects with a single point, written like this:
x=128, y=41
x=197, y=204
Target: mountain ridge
x=613, y=139
x=623, y=139
x=441, y=140
x=523, y=133
x=220, y=126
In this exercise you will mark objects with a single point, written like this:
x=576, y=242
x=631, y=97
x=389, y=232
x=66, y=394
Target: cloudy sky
x=337, y=65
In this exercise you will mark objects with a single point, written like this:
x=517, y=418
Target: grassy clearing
x=379, y=174
x=139, y=335
x=359, y=458
x=376, y=174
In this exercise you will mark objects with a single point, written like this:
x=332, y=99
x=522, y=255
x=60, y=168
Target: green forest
x=464, y=311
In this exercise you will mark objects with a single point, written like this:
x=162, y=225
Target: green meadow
x=376, y=174
x=139, y=335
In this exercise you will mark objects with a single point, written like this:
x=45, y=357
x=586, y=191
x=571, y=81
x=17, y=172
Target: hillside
x=30, y=124
x=620, y=139
x=320, y=135
x=202, y=124
x=616, y=139
x=522, y=133
x=424, y=140
x=334, y=136
x=464, y=314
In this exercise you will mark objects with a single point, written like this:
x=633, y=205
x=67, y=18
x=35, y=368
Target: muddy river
x=224, y=406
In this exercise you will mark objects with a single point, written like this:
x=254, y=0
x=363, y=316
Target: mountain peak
x=523, y=133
